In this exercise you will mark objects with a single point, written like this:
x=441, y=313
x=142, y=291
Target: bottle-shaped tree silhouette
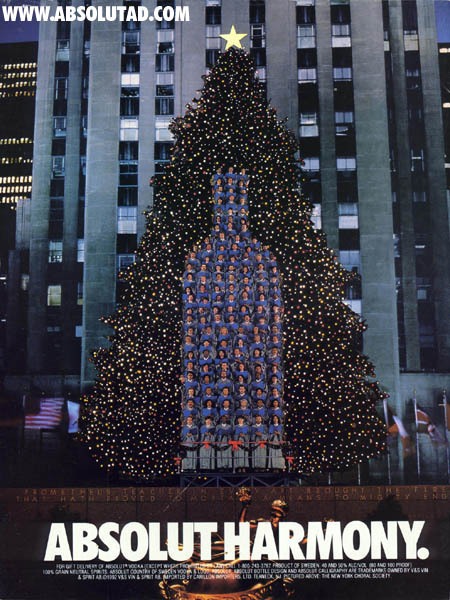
x=232, y=342
x=131, y=420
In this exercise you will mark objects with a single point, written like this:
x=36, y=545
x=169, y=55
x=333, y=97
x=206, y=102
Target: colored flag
x=426, y=425
x=73, y=408
x=49, y=415
x=423, y=420
x=395, y=426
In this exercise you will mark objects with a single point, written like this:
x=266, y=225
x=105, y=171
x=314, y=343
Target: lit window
x=213, y=37
x=162, y=133
x=55, y=251
x=129, y=131
x=348, y=215
x=257, y=36
x=342, y=73
x=316, y=216
x=306, y=36
x=346, y=163
x=307, y=75
x=78, y=331
x=311, y=164
x=59, y=126
x=80, y=293
x=127, y=79
x=80, y=250
x=350, y=259
x=54, y=295
x=127, y=219
x=308, y=125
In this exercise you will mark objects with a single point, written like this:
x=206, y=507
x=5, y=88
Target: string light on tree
x=131, y=420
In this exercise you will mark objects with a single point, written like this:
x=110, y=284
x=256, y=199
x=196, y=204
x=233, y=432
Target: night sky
x=28, y=32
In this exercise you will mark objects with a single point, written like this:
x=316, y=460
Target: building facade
x=358, y=80
x=18, y=66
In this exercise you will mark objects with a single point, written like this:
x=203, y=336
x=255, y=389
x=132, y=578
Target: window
x=124, y=261
x=261, y=74
x=162, y=150
x=54, y=295
x=80, y=293
x=79, y=330
x=354, y=305
x=213, y=37
x=164, y=63
x=62, y=50
x=129, y=107
x=130, y=42
x=211, y=58
x=127, y=219
x=417, y=159
x=80, y=250
x=411, y=40
x=128, y=173
x=213, y=2
x=130, y=63
x=61, y=88
x=164, y=106
x=127, y=196
x=343, y=116
x=127, y=79
x=259, y=56
x=306, y=36
x=164, y=80
x=342, y=73
x=305, y=2
x=213, y=15
x=344, y=122
x=348, y=215
x=341, y=36
x=350, y=259
x=56, y=216
x=55, y=251
x=305, y=13
x=129, y=131
x=257, y=36
x=307, y=75
x=59, y=126
x=128, y=150
x=162, y=133
x=316, y=216
x=311, y=164
x=257, y=11
x=308, y=125
x=346, y=163
x=58, y=166
x=165, y=48
x=419, y=196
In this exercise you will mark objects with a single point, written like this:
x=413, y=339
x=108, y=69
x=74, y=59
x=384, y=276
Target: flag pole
x=446, y=422
x=417, y=437
x=386, y=420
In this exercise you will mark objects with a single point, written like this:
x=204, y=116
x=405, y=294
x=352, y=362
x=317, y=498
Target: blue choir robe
x=259, y=411
x=212, y=398
x=243, y=412
x=242, y=433
x=189, y=347
x=276, y=411
x=226, y=412
x=187, y=412
x=205, y=386
x=189, y=435
x=209, y=412
x=263, y=397
x=259, y=453
x=258, y=384
x=276, y=459
x=207, y=459
x=224, y=433
x=205, y=361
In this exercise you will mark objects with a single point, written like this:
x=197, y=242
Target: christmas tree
x=131, y=420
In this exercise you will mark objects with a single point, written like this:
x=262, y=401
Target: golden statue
x=227, y=585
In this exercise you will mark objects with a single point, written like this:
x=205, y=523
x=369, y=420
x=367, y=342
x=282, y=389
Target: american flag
x=49, y=415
